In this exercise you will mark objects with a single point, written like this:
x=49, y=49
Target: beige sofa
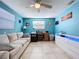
x=13, y=45
x=4, y=55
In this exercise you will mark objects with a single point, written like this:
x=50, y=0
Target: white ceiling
x=23, y=8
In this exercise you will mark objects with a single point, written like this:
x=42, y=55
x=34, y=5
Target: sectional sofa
x=12, y=45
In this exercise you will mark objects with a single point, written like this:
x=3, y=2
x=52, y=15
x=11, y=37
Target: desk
x=34, y=37
x=46, y=37
x=39, y=37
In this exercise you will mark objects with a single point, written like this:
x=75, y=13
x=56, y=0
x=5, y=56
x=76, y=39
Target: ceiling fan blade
x=31, y=2
x=37, y=1
x=71, y=2
x=46, y=5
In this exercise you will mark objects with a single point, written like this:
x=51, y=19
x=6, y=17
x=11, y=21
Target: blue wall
x=70, y=26
x=47, y=27
x=17, y=26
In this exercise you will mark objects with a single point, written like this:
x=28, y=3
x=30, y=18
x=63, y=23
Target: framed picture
x=39, y=24
x=49, y=23
x=27, y=24
x=66, y=17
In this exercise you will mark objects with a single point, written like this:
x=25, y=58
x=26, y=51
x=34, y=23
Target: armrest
x=4, y=55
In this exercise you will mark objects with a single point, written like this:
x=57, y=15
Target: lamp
x=24, y=27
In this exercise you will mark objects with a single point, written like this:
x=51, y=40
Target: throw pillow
x=6, y=47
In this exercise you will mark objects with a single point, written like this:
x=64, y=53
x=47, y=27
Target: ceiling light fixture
x=37, y=5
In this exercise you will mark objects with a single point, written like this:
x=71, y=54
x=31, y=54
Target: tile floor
x=44, y=50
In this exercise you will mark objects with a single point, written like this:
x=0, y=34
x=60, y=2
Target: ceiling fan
x=37, y=4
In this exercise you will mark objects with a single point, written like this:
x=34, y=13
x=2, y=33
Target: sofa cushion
x=5, y=47
x=15, y=45
x=19, y=42
x=28, y=38
x=4, y=38
x=15, y=50
x=4, y=55
x=12, y=37
x=20, y=34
